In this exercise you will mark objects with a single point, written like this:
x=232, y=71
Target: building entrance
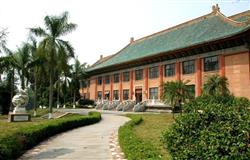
x=107, y=94
x=138, y=95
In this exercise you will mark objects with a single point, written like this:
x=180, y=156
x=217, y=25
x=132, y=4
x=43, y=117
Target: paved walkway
x=85, y=143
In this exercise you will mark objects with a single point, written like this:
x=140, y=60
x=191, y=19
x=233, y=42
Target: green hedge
x=133, y=147
x=211, y=128
x=83, y=102
x=15, y=143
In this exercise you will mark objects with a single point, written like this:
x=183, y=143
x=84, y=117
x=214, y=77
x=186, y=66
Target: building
x=210, y=44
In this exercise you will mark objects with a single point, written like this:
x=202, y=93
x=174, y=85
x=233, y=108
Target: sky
x=106, y=26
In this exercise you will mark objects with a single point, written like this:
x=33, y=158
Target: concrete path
x=85, y=143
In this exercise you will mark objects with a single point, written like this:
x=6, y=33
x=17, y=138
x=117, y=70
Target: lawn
x=17, y=137
x=151, y=128
x=6, y=127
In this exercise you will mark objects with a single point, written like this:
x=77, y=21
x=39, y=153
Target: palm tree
x=216, y=85
x=37, y=61
x=58, y=85
x=176, y=92
x=65, y=86
x=21, y=61
x=7, y=65
x=52, y=45
x=3, y=35
x=77, y=75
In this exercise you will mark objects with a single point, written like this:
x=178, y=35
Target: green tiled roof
x=241, y=17
x=213, y=26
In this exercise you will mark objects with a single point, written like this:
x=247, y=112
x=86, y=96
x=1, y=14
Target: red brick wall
x=235, y=67
x=237, y=72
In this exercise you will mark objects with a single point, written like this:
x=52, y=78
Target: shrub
x=85, y=102
x=211, y=128
x=133, y=147
x=23, y=138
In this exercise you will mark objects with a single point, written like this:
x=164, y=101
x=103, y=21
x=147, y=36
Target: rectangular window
x=170, y=70
x=191, y=90
x=107, y=80
x=139, y=74
x=84, y=84
x=116, y=78
x=211, y=63
x=116, y=94
x=153, y=93
x=125, y=76
x=188, y=67
x=107, y=95
x=125, y=94
x=99, y=80
x=154, y=72
x=99, y=94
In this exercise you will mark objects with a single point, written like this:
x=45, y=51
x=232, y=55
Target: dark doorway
x=107, y=94
x=138, y=95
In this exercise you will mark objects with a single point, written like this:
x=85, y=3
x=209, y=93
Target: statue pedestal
x=19, y=117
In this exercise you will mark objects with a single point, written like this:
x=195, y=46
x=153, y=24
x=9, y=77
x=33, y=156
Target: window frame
x=99, y=80
x=126, y=76
x=99, y=97
x=116, y=78
x=139, y=74
x=107, y=79
x=189, y=65
x=212, y=65
x=155, y=91
x=124, y=95
x=114, y=95
x=171, y=70
x=153, y=72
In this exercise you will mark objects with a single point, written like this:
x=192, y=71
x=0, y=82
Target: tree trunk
x=74, y=100
x=35, y=94
x=58, y=93
x=12, y=81
x=50, y=93
x=22, y=82
x=64, y=99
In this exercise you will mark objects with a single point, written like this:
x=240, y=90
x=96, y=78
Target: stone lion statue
x=20, y=100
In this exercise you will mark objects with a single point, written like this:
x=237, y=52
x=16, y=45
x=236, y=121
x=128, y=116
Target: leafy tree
x=77, y=75
x=213, y=127
x=176, y=92
x=53, y=46
x=36, y=65
x=216, y=85
x=21, y=60
x=7, y=65
x=3, y=35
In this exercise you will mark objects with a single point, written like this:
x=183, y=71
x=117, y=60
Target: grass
x=151, y=128
x=6, y=127
x=16, y=137
x=134, y=147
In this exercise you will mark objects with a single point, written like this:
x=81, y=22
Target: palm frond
x=39, y=32
x=68, y=47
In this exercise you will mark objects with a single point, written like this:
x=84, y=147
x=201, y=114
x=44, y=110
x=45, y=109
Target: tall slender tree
x=21, y=61
x=36, y=65
x=53, y=46
x=77, y=75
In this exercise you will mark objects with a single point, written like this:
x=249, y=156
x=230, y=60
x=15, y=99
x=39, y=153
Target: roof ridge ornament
x=215, y=8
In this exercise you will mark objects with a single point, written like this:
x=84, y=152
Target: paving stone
x=87, y=143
